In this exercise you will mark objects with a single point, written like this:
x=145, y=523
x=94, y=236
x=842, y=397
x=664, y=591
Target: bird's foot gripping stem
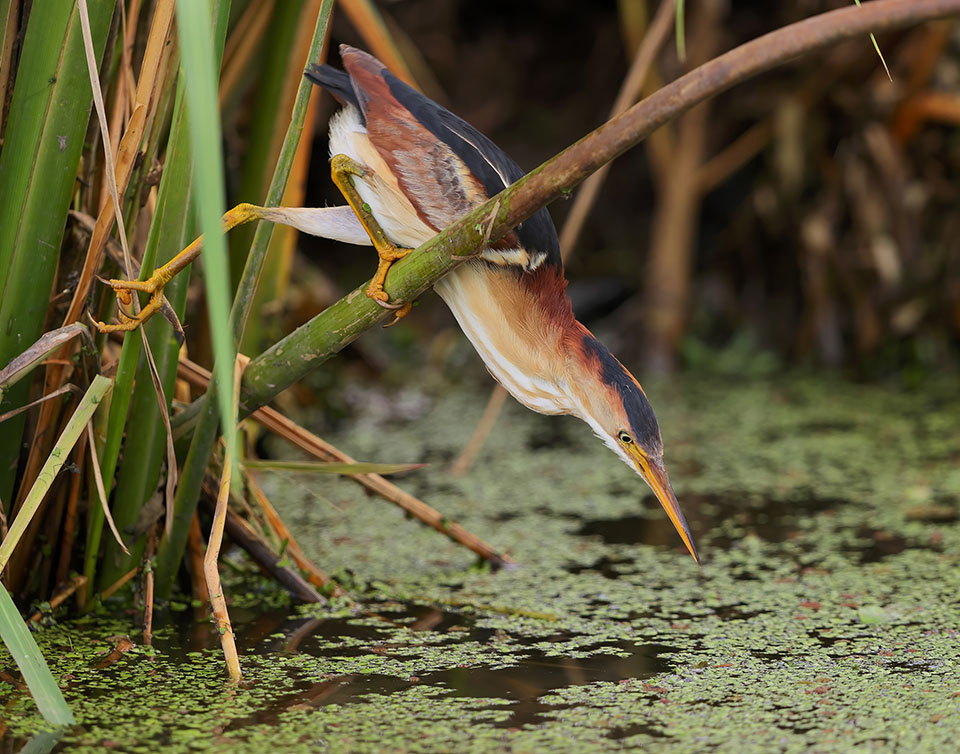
x=154, y=285
x=343, y=170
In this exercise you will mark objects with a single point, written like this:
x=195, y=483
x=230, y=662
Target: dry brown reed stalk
x=118, y=584
x=666, y=288
x=211, y=571
x=630, y=91
x=195, y=550
x=70, y=516
x=124, y=92
x=310, y=443
x=148, y=586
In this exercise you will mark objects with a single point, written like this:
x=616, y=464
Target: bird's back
x=427, y=169
x=445, y=166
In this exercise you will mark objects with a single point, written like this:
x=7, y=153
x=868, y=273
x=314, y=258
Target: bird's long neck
x=523, y=328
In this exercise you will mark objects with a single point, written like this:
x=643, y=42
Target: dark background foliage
x=835, y=243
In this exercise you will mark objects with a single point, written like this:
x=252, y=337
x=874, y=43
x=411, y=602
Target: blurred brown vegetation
x=809, y=214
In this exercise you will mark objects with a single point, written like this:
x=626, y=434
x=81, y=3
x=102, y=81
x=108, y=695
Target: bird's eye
x=625, y=438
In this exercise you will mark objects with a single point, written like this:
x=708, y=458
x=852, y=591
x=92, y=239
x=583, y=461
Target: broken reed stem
x=148, y=586
x=210, y=569
x=57, y=599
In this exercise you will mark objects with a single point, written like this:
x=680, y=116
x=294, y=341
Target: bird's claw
x=123, y=289
x=384, y=302
x=402, y=311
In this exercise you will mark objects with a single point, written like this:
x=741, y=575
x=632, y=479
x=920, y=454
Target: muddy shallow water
x=824, y=617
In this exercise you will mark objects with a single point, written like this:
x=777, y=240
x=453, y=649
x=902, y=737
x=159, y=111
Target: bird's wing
x=445, y=166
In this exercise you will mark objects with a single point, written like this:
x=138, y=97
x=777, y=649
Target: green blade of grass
x=25, y=652
x=681, y=34
x=877, y=48
x=56, y=460
x=332, y=467
x=200, y=65
x=191, y=479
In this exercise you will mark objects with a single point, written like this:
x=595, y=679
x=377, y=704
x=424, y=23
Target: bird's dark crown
x=643, y=421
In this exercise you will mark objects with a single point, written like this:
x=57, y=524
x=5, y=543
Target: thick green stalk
x=42, y=145
x=188, y=491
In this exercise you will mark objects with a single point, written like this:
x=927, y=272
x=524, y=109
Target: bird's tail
x=335, y=81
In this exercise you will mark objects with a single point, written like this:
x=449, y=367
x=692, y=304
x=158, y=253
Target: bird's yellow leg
x=343, y=170
x=242, y=213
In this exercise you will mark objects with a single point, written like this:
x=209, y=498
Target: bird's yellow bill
x=656, y=476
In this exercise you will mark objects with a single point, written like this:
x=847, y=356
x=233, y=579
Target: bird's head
x=612, y=402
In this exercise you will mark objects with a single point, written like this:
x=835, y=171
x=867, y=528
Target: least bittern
x=408, y=168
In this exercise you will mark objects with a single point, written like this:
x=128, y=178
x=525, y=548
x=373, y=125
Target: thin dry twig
x=118, y=584
x=68, y=388
x=148, y=586
x=498, y=396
